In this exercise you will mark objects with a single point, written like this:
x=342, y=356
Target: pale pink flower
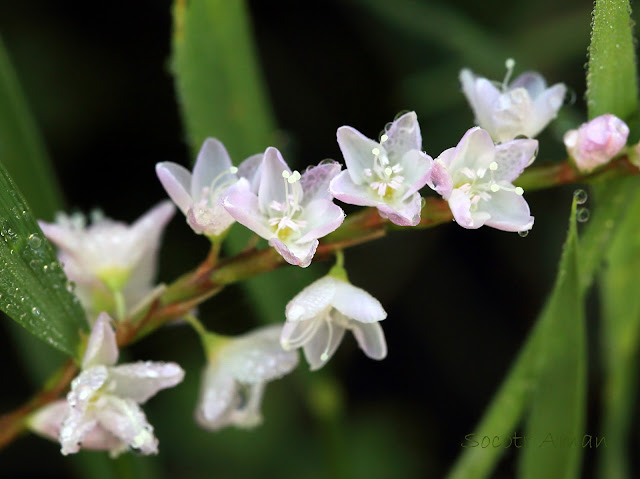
x=522, y=107
x=596, y=142
x=385, y=174
x=476, y=179
x=319, y=315
x=199, y=195
x=102, y=409
x=109, y=254
x=289, y=210
x=233, y=381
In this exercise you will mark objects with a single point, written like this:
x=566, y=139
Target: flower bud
x=595, y=143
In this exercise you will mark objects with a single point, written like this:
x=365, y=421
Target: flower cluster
x=113, y=265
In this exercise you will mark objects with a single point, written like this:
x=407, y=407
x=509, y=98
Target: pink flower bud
x=595, y=143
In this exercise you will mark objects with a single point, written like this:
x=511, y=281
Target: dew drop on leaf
x=580, y=196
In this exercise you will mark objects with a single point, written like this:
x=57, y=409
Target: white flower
x=476, y=179
x=387, y=174
x=523, y=107
x=319, y=315
x=596, y=142
x=109, y=253
x=234, y=379
x=102, y=409
x=199, y=196
x=289, y=210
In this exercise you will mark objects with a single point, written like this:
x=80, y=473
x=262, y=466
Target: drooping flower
x=522, y=107
x=319, y=315
x=199, y=195
x=109, y=255
x=289, y=210
x=236, y=375
x=102, y=409
x=385, y=174
x=476, y=179
x=596, y=142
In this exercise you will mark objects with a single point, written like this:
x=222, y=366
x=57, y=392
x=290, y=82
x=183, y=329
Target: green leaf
x=217, y=77
x=612, y=85
x=22, y=151
x=504, y=413
x=620, y=342
x=33, y=286
x=555, y=427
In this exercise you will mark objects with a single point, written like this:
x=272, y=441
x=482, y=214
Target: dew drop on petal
x=522, y=234
x=582, y=215
x=580, y=196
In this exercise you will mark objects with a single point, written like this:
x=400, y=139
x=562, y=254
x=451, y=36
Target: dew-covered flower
x=109, y=255
x=476, y=179
x=319, y=315
x=102, y=409
x=523, y=107
x=234, y=379
x=385, y=174
x=289, y=210
x=199, y=195
x=596, y=142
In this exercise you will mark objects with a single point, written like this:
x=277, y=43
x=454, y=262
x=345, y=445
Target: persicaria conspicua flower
x=289, y=210
x=523, y=107
x=596, y=142
x=319, y=315
x=102, y=408
x=109, y=256
x=199, y=195
x=385, y=174
x=476, y=179
x=236, y=375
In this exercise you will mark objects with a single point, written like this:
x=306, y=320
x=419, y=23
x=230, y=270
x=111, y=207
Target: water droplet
x=34, y=241
x=582, y=215
x=71, y=286
x=522, y=234
x=580, y=196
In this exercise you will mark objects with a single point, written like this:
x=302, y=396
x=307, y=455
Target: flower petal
x=402, y=213
x=344, y=189
x=315, y=181
x=124, y=419
x=176, y=180
x=533, y=82
x=258, y=356
x=324, y=344
x=460, y=205
x=417, y=167
x=247, y=414
x=355, y=303
x=271, y=186
x=217, y=398
x=312, y=300
x=102, y=348
x=250, y=170
x=357, y=151
x=75, y=428
x=242, y=205
x=440, y=179
x=322, y=217
x=297, y=254
x=370, y=338
x=475, y=151
x=139, y=381
x=546, y=108
x=513, y=157
x=213, y=160
x=403, y=136
x=508, y=211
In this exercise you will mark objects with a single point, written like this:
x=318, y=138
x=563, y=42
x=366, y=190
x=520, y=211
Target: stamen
x=388, y=171
x=376, y=151
x=519, y=191
x=325, y=354
x=383, y=138
x=493, y=166
x=510, y=64
x=495, y=187
x=303, y=338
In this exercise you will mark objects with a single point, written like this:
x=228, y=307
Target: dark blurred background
x=460, y=302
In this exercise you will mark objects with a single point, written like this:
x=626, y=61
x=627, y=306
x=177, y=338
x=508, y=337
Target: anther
x=376, y=151
x=383, y=138
x=388, y=171
x=495, y=188
x=286, y=174
x=493, y=166
x=519, y=191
